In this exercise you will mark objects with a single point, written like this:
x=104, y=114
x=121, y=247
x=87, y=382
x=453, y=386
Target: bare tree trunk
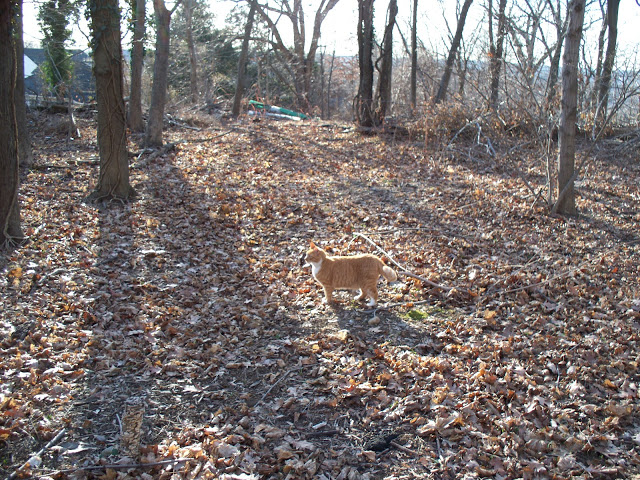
x=73, y=126
x=383, y=95
x=193, y=60
x=601, y=41
x=496, y=52
x=554, y=68
x=566, y=203
x=609, y=58
x=463, y=67
x=321, y=13
x=260, y=90
x=414, y=56
x=242, y=62
x=323, y=112
x=453, y=51
x=10, y=229
x=153, y=135
x=136, y=122
x=113, y=181
x=333, y=58
x=25, y=152
x=364, y=98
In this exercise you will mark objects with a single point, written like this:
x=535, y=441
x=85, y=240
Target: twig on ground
x=119, y=423
x=548, y=280
x=468, y=205
x=282, y=377
x=116, y=466
x=183, y=125
x=514, y=274
x=425, y=280
x=403, y=271
x=79, y=161
x=144, y=150
x=26, y=464
x=322, y=433
x=403, y=448
x=156, y=153
x=389, y=306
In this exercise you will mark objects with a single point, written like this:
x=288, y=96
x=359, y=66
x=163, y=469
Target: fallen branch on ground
x=402, y=270
x=183, y=125
x=156, y=153
x=26, y=464
x=116, y=466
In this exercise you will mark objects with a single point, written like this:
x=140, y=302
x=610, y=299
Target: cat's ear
x=311, y=244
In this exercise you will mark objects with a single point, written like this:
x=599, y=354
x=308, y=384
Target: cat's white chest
x=315, y=268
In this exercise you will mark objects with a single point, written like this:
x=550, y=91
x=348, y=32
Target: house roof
x=29, y=66
x=83, y=81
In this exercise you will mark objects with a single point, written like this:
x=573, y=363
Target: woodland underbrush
x=181, y=335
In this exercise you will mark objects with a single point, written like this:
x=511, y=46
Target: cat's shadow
x=380, y=325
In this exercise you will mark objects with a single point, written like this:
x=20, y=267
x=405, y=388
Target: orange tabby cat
x=351, y=273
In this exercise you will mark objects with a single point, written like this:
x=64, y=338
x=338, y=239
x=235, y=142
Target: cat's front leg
x=328, y=294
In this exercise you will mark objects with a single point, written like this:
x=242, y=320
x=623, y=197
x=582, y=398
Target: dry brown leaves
x=193, y=301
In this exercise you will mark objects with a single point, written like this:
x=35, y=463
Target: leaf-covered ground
x=190, y=309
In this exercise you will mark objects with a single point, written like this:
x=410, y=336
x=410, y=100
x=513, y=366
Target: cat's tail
x=389, y=274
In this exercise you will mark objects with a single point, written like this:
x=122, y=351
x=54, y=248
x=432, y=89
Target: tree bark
x=383, y=96
x=321, y=13
x=554, y=67
x=565, y=203
x=113, y=181
x=601, y=41
x=25, y=152
x=414, y=56
x=455, y=44
x=153, y=136
x=323, y=112
x=496, y=52
x=193, y=59
x=136, y=122
x=609, y=58
x=10, y=228
x=462, y=67
x=333, y=58
x=364, y=98
x=242, y=62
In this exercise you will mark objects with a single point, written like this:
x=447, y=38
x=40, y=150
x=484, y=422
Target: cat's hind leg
x=372, y=293
x=362, y=295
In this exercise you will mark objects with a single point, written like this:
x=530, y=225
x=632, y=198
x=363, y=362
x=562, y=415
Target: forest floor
x=183, y=326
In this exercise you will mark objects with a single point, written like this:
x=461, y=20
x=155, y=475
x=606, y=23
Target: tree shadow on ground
x=183, y=318
x=174, y=316
x=166, y=277
x=195, y=302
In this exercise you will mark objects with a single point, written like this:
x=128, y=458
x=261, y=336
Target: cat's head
x=314, y=254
